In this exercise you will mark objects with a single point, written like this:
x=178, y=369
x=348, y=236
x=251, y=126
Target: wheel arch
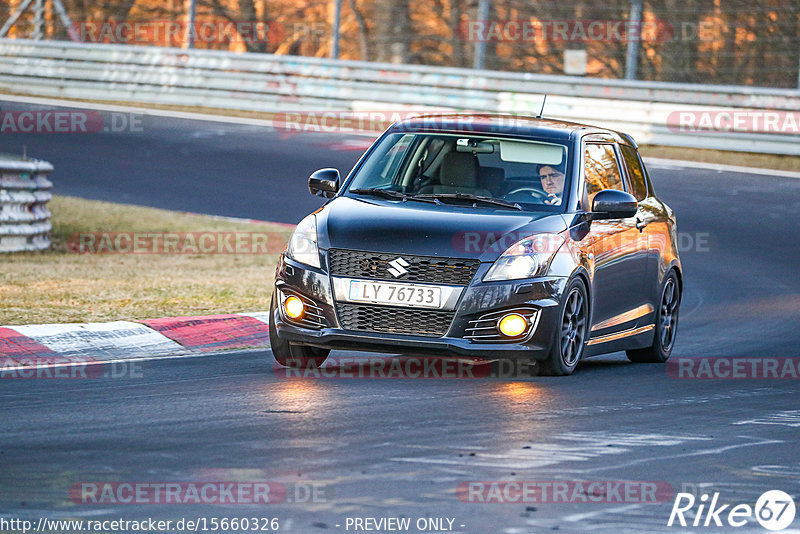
x=582, y=274
x=674, y=267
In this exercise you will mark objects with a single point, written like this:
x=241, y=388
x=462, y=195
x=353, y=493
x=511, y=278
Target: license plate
x=397, y=294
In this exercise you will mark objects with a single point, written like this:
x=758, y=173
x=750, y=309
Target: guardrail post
x=634, y=36
x=38, y=20
x=480, y=44
x=24, y=194
x=190, y=16
x=337, y=21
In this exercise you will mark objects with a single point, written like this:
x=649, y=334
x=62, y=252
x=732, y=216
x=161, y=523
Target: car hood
x=379, y=225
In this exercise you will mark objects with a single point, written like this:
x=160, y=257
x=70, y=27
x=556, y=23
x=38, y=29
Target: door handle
x=641, y=225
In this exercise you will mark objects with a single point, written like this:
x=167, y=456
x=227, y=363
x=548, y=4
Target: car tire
x=289, y=355
x=666, y=328
x=570, y=334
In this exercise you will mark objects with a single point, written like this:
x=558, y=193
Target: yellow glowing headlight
x=512, y=325
x=293, y=307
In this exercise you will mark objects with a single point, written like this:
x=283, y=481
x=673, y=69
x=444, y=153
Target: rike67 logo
x=774, y=510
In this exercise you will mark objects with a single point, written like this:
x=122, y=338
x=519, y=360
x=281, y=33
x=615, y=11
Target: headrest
x=459, y=169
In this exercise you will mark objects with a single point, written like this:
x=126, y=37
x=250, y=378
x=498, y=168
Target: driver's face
x=552, y=180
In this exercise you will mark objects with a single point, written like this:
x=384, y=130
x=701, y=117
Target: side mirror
x=324, y=182
x=613, y=204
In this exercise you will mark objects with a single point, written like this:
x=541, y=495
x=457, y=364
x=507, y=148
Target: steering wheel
x=536, y=193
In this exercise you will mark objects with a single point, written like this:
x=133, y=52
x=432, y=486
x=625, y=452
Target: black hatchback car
x=484, y=236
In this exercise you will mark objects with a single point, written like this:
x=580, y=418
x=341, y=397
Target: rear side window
x=633, y=164
x=601, y=170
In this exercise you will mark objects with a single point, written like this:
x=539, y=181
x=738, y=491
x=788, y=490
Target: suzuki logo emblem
x=397, y=267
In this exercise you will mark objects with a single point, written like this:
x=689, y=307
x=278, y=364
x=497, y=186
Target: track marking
x=676, y=163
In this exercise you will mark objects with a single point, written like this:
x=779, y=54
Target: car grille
x=484, y=329
x=409, y=321
x=425, y=269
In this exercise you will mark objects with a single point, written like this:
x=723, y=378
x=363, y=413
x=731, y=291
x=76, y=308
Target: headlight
x=303, y=243
x=525, y=259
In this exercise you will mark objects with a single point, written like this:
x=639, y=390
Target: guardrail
x=269, y=83
x=24, y=194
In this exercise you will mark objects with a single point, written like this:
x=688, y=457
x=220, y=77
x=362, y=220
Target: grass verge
x=61, y=286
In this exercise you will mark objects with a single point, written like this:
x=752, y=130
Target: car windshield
x=529, y=175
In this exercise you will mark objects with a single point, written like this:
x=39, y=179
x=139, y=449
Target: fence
x=650, y=111
x=692, y=41
x=24, y=193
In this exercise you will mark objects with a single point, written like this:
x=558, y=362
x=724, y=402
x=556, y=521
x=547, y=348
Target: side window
x=601, y=170
x=638, y=182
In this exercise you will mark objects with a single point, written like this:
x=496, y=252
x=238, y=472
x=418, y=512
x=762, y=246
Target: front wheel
x=289, y=355
x=666, y=325
x=570, y=332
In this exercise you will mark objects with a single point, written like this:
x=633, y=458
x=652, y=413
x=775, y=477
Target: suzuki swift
x=483, y=236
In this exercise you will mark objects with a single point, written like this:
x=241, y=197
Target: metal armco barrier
x=270, y=83
x=24, y=194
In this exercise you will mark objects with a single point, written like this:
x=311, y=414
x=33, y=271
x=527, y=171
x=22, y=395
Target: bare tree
x=393, y=30
x=363, y=30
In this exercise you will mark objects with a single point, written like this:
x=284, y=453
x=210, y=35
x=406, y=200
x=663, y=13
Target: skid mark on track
x=792, y=471
x=648, y=405
x=559, y=449
x=789, y=418
x=603, y=439
x=750, y=442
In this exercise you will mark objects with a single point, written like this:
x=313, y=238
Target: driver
x=552, y=177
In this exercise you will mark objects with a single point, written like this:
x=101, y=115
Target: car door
x=618, y=247
x=653, y=219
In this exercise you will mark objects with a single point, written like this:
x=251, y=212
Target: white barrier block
x=261, y=316
x=119, y=340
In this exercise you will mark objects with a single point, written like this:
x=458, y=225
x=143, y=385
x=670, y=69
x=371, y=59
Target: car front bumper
x=477, y=299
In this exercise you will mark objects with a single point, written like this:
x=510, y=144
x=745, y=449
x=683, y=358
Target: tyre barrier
x=24, y=194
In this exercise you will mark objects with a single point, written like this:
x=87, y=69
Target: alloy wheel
x=669, y=314
x=573, y=327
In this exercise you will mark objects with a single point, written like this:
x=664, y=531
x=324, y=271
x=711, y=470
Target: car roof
x=505, y=124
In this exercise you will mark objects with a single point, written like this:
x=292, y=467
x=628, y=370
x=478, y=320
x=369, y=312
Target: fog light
x=293, y=307
x=512, y=325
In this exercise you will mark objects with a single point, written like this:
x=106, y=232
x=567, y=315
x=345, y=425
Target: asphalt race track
x=400, y=448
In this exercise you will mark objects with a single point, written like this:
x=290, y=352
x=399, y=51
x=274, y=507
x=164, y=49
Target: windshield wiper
x=473, y=198
x=393, y=195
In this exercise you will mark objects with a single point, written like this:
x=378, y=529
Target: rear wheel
x=666, y=325
x=570, y=332
x=289, y=355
